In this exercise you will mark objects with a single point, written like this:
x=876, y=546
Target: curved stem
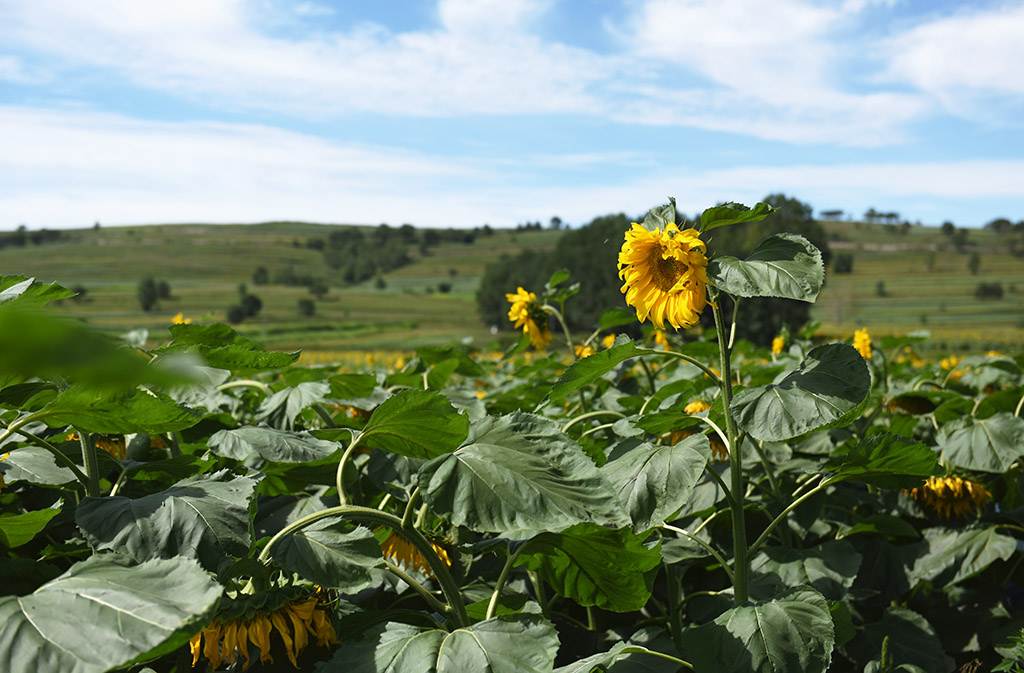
x=500, y=584
x=57, y=454
x=341, y=468
x=636, y=649
x=725, y=488
x=782, y=515
x=90, y=463
x=917, y=386
x=591, y=414
x=597, y=428
x=324, y=415
x=1016, y=411
x=741, y=560
x=650, y=376
x=711, y=550
x=410, y=507
x=418, y=588
x=13, y=428
x=246, y=383
x=565, y=328
x=718, y=431
x=437, y=566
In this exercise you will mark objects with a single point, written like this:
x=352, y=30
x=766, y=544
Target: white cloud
x=967, y=61
x=71, y=168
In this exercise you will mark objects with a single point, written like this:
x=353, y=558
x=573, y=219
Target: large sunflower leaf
x=830, y=568
x=948, y=556
x=17, y=529
x=637, y=659
x=912, y=642
x=733, y=213
x=417, y=424
x=792, y=633
x=277, y=446
x=102, y=615
x=505, y=644
x=36, y=465
x=660, y=216
x=889, y=461
x=29, y=293
x=116, y=412
x=594, y=565
x=655, y=481
x=783, y=265
x=327, y=553
x=204, y=517
x=518, y=475
x=988, y=445
x=280, y=409
x=825, y=390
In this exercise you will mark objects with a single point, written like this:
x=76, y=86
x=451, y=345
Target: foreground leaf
x=889, y=461
x=988, y=445
x=518, y=475
x=29, y=293
x=594, y=565
x=329, y=555
x=783, y=265
x=417, y=424
x=733, y=213
x=102, y=615
x=204, y=517
x=117, y=413
x=507, y=644
x=826, y=390
x=792, y=633
x=584, y=372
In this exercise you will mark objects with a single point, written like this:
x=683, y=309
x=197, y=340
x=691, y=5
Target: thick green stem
x=324, y=415
x=500, y=584
x=354, y=512
x=246, y=383
x=711, y=550
x=418, y=588
x=90, y=463
x=782, y=515
x=341, y=469
x=786, y=537
x=741, y=560
x=675, y=607
x=565, y=328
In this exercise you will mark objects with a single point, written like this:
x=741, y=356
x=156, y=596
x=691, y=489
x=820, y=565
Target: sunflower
x=664, y=275
x=695, y=407
x=718, y=450
x=225, y=642
x=778, y=343
x=180, y=319
x=406, y=554
x=526, y=312
x=112, y=444
x=583, y=351
x=951, y=496
x=608, y=341
x=862, y=342
x=660, y=339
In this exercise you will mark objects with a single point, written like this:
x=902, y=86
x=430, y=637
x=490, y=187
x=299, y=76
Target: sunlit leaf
x=783, y=265
x=416, y=423
x=733, y=213
x=331, y=555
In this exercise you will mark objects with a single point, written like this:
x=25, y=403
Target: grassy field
x=927, y=284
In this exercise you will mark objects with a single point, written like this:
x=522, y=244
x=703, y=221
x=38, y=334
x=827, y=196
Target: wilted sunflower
x=526, y=312
x=862, y=342
x=664, y=274
x=951, y=496
x=405, y=553
x=112, y=444
x=226, y=642
x=718, y=450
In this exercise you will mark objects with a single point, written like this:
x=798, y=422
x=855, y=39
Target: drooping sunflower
x=526, y=312
x=226, y=640
x=406, y=554
x=862, y=342
x=951, y=496
x=664, y=275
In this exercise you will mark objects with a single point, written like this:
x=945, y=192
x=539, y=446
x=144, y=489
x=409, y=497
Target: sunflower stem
x=825, y=483
x=341, y=469
x=565, y=328
x=90, y=463
x=592, y=414
x=410, y=507
x=741, y=559
x=431, y=600
x=500, y=584
x=246, y=383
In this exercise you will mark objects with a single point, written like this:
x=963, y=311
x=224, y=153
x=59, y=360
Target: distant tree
x=948, y=228
x=452, y=272
x=960, y=238
x=989, y=291
x=319, y=288
x=870, y=215
x=379, y=283
x=260, y=276
x=842, y=263
x=148, y=293
x=880, y=289
x=251, y=304
x=96, y=225
x=444, y=288
x=307, y=307
x=236, y=314
x=316, y=243
x=1000, y=225
x=556, y=222
x=834, y=215
x=163, y=290
x=974, y=263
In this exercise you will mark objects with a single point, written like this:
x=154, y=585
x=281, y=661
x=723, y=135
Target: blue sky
x=465, y=112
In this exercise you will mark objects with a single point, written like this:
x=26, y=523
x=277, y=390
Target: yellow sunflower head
x=778, y=343
x=608, y=341
x=583, y=351
x=405, y=553
x=951, y=497
x=862, y=342
x=696, y=407
x=664, y=274
x=527, y=312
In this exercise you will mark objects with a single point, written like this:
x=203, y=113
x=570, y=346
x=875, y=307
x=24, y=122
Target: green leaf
x=26, y=292
x=350, y=389
x=948, y=556
x=889, y=461
x=117, y=412
x=277, y=446
x=880, y=524
x=594, y=565
x=792, y=633
x=37, y=466
x=637, y=660
x=204, y=517
x=557, y=278
x=912, y=641
x=584, y=372
x=329, y=554
x=825, y=390
x=102, y=615
x=506, y=644
x=830, y=568
x=616, y=317
x=517, y=475
x=280, y=409
x=733, y=213
x=508, y=604
x=783, y=265
x=655, y=481
x=416, y=423
x=224, y=348
x=991, y=444
x=17, y=529
x=660, y=217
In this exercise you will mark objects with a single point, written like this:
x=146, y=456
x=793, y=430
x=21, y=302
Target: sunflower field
x=575, y=503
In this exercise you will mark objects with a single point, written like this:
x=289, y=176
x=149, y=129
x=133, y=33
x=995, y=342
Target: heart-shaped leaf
x=783, y=265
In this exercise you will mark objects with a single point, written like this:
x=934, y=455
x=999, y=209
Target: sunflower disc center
x=666, y=272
